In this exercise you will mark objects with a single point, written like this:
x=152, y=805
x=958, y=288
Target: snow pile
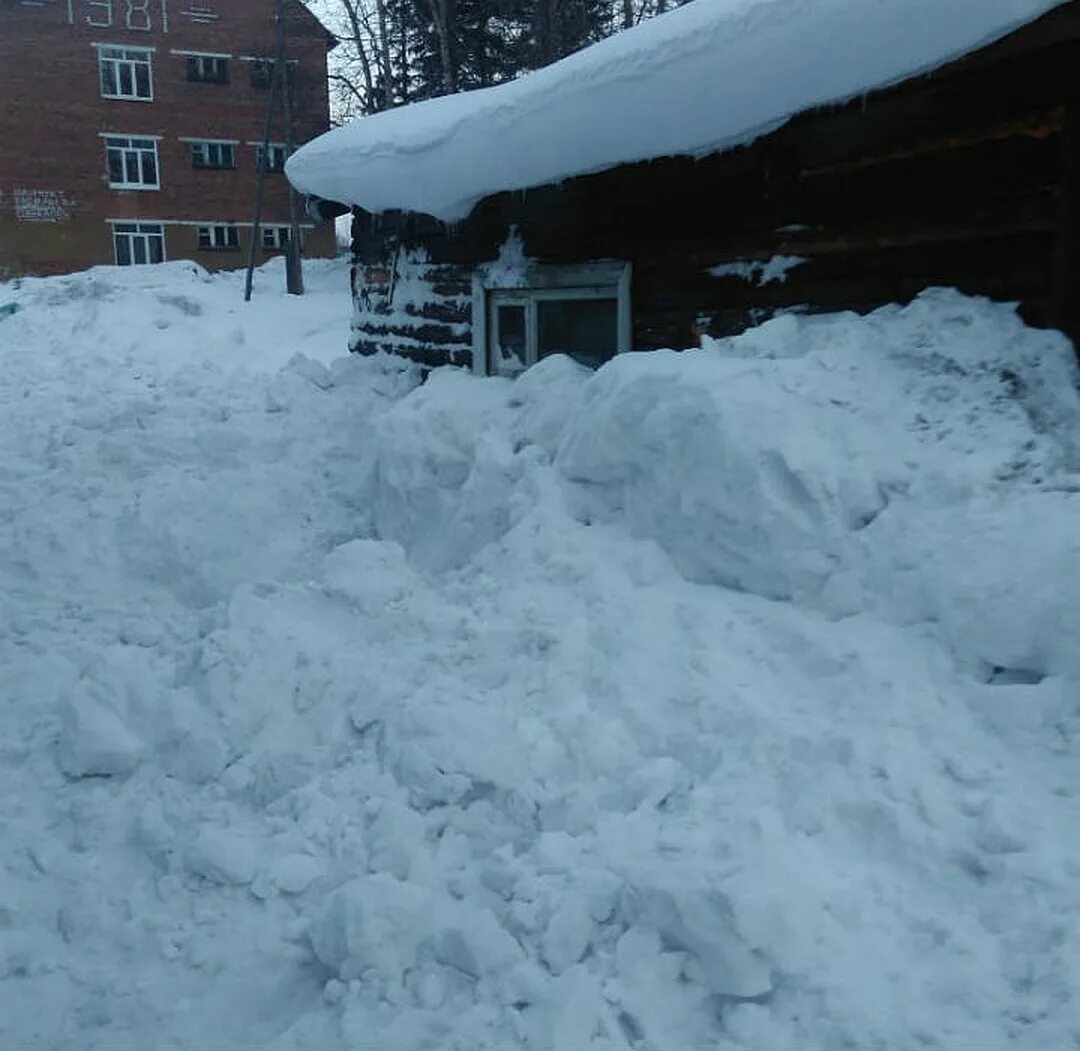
x=721, y=699
x=850, y=463
x=704, y=77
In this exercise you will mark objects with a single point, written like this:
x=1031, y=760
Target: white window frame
x=129, y=58
x=126, y=146
x=141, y=231
x=201, y=59
x=606, y=279
x=279, y=235
x=205, y=146
x=222, y=237
x=276, y=149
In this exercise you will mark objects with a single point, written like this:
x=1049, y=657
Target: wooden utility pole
x=279, y=79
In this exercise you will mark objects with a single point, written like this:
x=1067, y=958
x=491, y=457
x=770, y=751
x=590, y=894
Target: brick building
x=131, y=130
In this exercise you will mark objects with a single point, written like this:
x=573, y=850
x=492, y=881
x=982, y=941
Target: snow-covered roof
x=703, y=77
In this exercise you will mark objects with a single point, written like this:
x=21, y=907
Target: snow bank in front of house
x=690, y=703
x=827, y=460
x=705, y=76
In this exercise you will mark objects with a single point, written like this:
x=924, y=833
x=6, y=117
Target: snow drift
x=704, y=77
x=725, y=699
x=829, y=460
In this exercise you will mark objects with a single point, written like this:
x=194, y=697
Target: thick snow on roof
x=703, y=77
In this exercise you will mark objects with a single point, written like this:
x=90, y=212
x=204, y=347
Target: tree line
x=393, y=52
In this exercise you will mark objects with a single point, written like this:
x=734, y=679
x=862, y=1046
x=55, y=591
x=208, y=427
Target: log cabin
x=901, y=157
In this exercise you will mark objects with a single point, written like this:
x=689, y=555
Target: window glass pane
x=150, y=169
x=157, y=248
x=509, y=344
x=131, y=167
x=142, y=79
x=116, y=166
x=138, y=249
x=123, y=250
x=586, y=329
x=123, y=73
x=108, y=78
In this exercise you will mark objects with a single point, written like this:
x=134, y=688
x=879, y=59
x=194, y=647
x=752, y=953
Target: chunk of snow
x=567, y=935
x=223, y=856
x=381, y=923
x=702, y=77
x=94, y=741
x=294, y=873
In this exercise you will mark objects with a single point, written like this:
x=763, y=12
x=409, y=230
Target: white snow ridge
x=725, y=699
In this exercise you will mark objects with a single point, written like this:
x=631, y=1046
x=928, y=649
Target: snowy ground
x=729, y=699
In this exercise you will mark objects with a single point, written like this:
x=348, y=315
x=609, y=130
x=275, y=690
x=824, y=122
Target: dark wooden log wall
x=968, y=177
x=431, y=326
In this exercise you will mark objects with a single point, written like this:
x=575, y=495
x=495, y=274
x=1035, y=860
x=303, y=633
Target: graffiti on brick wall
x=144, y=16
x=200, y=14
x=41, y=206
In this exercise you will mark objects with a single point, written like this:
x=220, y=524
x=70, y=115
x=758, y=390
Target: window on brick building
x=271, y=158
x=276, y=238
x=133, y=163
x=262, y=72
x=138, y=243
x=208, y=69
x=218, y=236
x=126, y=73
x=208, y=154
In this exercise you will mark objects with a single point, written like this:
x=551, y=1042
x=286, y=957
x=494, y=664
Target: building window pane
x=138, y=243
x=208, y=69
x=586, y=329
x=132, y=163
x=125, y=73
x=509, y=345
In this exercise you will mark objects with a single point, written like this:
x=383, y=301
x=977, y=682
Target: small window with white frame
x=126, y=73
x=262, y=72
x=212, y=154
x=132, y=163
x=218, y=237
x=276, y=238
x=582, y=311
x=208, y=69
x=271, y=157
x=137, y=243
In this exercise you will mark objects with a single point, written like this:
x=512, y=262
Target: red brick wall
x=52, y=155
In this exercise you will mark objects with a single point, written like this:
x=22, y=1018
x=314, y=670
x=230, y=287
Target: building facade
x=966, y=176
x=131, y=131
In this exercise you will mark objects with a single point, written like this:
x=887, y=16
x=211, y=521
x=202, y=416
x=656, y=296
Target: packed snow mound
x=703, y=77
x=690, y=703
x=830, y=460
